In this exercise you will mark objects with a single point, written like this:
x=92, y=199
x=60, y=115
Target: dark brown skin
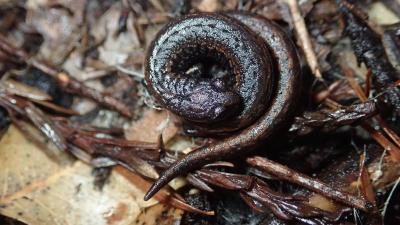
x=266, y=82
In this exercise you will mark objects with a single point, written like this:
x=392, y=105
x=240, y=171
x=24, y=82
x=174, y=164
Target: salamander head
x=212, y=101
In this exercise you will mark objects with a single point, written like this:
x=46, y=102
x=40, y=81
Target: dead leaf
x=60, y=30
x=209, y=6
x=115, y=50
x=379, y=13
x=151, y=125
x=36, y=190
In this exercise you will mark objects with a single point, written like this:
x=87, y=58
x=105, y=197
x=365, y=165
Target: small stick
x=393, y=150
x=324, y=94
x=304, y=38
x=285, y=173
x=365, y=181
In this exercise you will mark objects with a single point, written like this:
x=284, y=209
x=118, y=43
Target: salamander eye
x=218, y=112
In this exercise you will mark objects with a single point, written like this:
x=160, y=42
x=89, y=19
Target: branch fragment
x=330, y=120
x=287, y=174
x=304, y=38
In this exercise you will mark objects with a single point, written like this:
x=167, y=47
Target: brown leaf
x=152, y=124
x=36, y=190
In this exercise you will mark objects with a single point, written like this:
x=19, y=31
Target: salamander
x=236, y=73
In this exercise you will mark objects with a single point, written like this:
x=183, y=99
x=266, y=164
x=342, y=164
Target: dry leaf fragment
x=38, y=191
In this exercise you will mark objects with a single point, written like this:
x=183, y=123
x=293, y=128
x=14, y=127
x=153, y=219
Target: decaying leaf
x=36, y=190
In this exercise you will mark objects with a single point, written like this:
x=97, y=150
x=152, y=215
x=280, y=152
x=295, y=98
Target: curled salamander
x=235, y=73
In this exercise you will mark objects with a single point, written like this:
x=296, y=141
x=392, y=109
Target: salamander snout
x=213, y=102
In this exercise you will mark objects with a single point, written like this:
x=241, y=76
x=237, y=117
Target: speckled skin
x=201, y=100
x=274, y=46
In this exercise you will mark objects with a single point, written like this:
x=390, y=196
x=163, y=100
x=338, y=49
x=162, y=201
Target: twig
x=324, y=94
x=290, y=175
x=365, y=180
x=330, y=120
x=304, y=38
x=393, y=150
x=260, y=197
